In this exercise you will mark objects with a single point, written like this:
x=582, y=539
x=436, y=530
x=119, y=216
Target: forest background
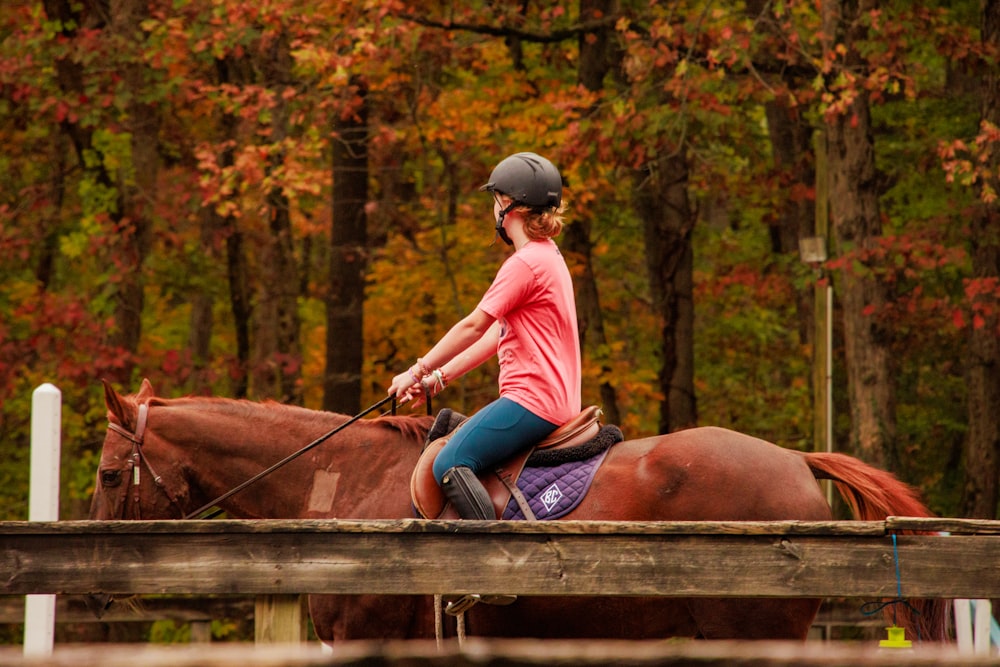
x=279, y=200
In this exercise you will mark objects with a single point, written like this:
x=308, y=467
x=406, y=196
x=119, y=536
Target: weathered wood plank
x=935, y=524
x=423, y=526
x=790, y=527
x=201, y=610
x=512, y=653
x=484, y=557
x=185, y=609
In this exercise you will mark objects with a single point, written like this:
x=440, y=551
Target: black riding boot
x=472, y=501
x=467, y=494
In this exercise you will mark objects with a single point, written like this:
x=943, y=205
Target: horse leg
x=731, y=618
x=349, y=617
x=546, y=617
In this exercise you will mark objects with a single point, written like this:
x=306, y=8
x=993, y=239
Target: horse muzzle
x=98, y=603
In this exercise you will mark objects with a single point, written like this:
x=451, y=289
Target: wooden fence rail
x=508, y=653
x=716, y=559
x=182, y=609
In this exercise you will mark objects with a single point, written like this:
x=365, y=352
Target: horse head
x=129, y=481
x=127, y=487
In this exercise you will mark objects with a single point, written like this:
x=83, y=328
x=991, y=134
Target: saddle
x=429, y=501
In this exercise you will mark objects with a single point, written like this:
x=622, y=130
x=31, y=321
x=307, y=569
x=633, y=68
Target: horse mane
x=409, y=427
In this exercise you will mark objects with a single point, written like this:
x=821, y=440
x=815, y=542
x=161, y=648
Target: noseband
x=137, y=455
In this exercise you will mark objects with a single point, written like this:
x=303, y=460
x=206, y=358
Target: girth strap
x=511, y=483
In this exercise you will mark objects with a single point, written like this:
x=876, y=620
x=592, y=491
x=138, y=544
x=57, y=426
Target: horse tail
x=873, y=495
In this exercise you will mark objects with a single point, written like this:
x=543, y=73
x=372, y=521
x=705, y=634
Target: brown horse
x=198, y=449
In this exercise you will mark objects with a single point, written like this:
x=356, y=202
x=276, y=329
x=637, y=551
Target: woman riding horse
x=528, y=319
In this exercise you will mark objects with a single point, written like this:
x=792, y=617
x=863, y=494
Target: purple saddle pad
x=553, y=491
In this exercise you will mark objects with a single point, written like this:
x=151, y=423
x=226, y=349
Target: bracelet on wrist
x=440, y=379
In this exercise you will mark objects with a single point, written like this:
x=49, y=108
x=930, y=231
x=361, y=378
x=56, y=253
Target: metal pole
x=829, y=380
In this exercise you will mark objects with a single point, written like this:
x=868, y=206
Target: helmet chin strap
x=501, y=232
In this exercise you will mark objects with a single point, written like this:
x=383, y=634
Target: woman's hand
x=404, y=388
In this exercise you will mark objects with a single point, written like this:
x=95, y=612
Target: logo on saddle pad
x=551, y=496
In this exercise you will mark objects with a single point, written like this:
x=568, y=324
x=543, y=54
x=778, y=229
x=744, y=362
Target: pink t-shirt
x=539, y=349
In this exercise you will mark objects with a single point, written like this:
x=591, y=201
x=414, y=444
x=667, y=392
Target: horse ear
x=145, y=391
x=113, y=401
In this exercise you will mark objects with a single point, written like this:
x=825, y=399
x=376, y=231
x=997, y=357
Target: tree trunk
x=348, y=240
x=278, y=360
x=661, y=201
x=202, y=319
x=982, y=445
x=595, y=61
x=577, y=244
x=214, y=228
x=796, y=216
x=854, y=214
x=239, y=301
x=136, y=194
x=227, y=72
x=791, y=143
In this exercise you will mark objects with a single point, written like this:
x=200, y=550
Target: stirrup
x=463, y=603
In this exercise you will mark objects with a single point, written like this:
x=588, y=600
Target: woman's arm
x=474, y=355
x=466, y=345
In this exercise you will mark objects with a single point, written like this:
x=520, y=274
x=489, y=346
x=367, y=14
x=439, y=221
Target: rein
x=291, y=457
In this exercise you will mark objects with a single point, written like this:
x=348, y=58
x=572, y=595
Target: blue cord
x=899, y=580
x=870, y=608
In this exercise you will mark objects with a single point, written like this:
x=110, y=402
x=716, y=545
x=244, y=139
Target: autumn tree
x=982, y=451
x=857, y=224
x=117, y=151
x=291, y=188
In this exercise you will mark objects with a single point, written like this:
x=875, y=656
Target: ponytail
x=542, y=224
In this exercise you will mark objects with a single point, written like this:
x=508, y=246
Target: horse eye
x=111, y=477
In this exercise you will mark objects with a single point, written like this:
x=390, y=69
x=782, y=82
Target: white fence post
x=983, y=623
x=975, y=628
x=963, y=625
x=43, y=505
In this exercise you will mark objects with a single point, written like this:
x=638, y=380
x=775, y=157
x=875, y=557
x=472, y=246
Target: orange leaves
x=255, y=170
x=975, y=165
x=921, y=274
x=983, y=295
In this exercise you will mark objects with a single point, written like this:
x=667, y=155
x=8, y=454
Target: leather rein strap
x=140, y=426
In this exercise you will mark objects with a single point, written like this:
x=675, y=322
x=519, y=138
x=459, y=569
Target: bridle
x=138, y=456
